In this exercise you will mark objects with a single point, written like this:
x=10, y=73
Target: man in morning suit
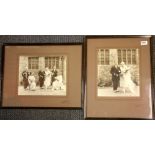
x=54, y=74
x=115, y=71
x=25, y=75
x=41, y=75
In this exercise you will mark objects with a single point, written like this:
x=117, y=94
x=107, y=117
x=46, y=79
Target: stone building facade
x=34, y=64
x=108, y=57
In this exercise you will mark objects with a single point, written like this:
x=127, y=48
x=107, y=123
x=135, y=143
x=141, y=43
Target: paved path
x=39, y=91
x=108, y=91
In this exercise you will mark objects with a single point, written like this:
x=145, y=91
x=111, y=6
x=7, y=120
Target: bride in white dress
x=126, y=82
x=47, y=81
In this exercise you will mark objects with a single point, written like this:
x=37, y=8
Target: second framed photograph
x=118, y=77
x=42, y=75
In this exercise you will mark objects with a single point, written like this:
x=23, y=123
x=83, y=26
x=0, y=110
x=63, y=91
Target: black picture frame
x=151, y=67
x=44, y=44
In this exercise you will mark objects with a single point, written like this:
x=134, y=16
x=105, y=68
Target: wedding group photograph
x=42, y=75
x=118, y=72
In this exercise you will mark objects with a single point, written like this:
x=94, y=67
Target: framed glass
x=42, y=75
x=118, y=77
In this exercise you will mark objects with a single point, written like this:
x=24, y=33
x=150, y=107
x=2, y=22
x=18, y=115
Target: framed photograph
x=118, y=77
x=42, y=75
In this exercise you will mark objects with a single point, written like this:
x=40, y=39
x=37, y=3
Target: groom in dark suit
x=25, y=75
x=54, y=74
x=115, y=71
x=41, y=75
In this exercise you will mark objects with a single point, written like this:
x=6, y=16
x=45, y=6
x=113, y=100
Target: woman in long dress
x=126, y=82
x=58, y=83
x=47, y=81
x=32, y=81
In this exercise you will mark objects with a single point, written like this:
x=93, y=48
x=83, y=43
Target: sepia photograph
x=42, y=75
x=118, y=72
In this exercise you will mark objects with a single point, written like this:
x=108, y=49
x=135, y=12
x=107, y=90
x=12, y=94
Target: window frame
x=33, y=62
x=103, y=56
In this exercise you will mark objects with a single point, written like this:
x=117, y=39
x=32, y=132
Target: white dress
x=47, y=81
x=32, y=82
x=125, y=79
x=58, y=83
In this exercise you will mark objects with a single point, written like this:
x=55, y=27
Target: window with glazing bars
x=103, y=56
x=51, y=62
x=33, y=62
x=129, y=56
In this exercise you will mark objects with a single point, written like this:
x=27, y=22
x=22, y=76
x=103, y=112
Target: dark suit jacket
x=54, y=73
x=115, y=71
x=25, y=75
x=41, y=75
